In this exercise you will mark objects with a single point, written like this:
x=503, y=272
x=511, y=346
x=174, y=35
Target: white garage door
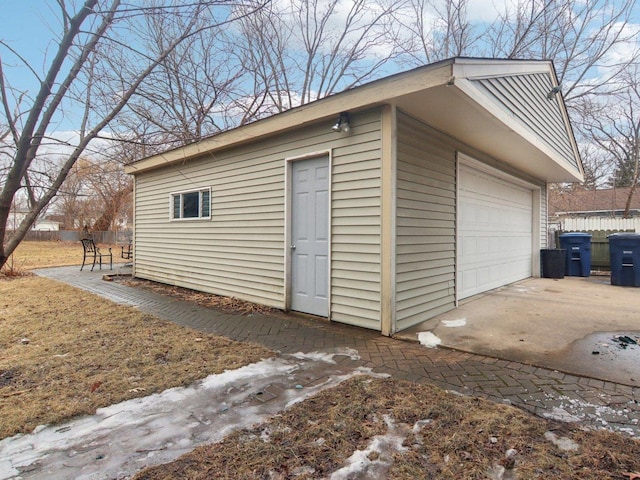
x=495, y=226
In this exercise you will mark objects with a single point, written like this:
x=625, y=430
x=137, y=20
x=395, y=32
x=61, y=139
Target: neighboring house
x=600, y=209
x=16, y=216
x=46, y=226
x=41, y=225
x=437, y=191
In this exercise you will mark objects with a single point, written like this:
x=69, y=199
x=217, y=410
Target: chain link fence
x=120, y=237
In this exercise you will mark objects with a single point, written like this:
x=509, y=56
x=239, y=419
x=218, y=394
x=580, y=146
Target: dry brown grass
x=461, y=438
x=30, y=255
x=65, y=352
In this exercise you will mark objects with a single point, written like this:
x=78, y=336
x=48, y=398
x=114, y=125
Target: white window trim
x=181, y=193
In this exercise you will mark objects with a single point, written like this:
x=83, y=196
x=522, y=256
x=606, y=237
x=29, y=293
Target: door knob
x=293, y=247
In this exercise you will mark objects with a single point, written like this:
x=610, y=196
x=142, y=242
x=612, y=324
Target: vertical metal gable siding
x=525, y=97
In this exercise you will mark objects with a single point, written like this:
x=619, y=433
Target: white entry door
x=495, y=231
x=310, y=236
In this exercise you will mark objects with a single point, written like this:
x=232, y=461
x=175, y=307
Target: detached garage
x=380, y=207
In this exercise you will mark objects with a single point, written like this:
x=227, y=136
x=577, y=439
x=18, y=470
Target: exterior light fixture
x=343, y=124
x=554, y=91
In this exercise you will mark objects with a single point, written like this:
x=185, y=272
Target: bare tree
x=613, y=124
x=186, y=97
x=72, y=202
x=583, y=39
x=434, y=30
x=114, y=189
x=99, y=63
x=95, y=195
x=596, y=164
x=299, y=51
x=284, y=55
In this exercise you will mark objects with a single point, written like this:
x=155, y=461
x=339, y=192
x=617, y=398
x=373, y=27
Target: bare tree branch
x=612, y=124
x=88, y=38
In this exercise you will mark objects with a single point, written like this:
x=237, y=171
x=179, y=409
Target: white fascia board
x=469, y=68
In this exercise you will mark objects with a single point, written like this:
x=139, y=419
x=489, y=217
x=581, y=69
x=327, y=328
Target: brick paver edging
x=544, y=392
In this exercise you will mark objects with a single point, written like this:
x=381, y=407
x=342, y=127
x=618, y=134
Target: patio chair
x=127, y=252
x=94, y=254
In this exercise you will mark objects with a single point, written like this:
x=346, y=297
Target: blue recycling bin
x=624, y=255
x=578, y=256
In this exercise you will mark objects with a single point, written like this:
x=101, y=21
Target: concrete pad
x=567, y=324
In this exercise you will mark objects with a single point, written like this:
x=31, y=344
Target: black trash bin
x=578, y=255
x=624, y=255
x=552, y=262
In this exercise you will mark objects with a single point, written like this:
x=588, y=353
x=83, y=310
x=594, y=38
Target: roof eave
x=409, y=85
x=359, y=98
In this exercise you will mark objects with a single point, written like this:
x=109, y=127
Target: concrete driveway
x=583, y=326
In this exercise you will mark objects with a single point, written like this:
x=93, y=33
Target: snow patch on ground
x=563, y=443
x=121, y=439
x=499, y=472
x=374, y=461
x=330, y=382
x=455, y=323
x=523, y=289
x=428, y=339
x=572, y=410
x=561, y=415
x=328, y=356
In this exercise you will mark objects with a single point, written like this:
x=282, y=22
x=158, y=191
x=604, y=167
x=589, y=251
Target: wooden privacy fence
x=599, y=246
x=585, y=224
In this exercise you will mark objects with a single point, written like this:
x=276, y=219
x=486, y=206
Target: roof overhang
x=444, y=96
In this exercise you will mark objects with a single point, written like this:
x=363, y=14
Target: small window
x=190, y=205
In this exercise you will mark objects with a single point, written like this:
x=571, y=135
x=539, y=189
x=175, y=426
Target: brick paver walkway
x=544, y=392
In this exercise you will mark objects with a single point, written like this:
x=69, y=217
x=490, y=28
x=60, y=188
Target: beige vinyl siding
x=355, y=228
x=425, y=225
x=240, y=250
